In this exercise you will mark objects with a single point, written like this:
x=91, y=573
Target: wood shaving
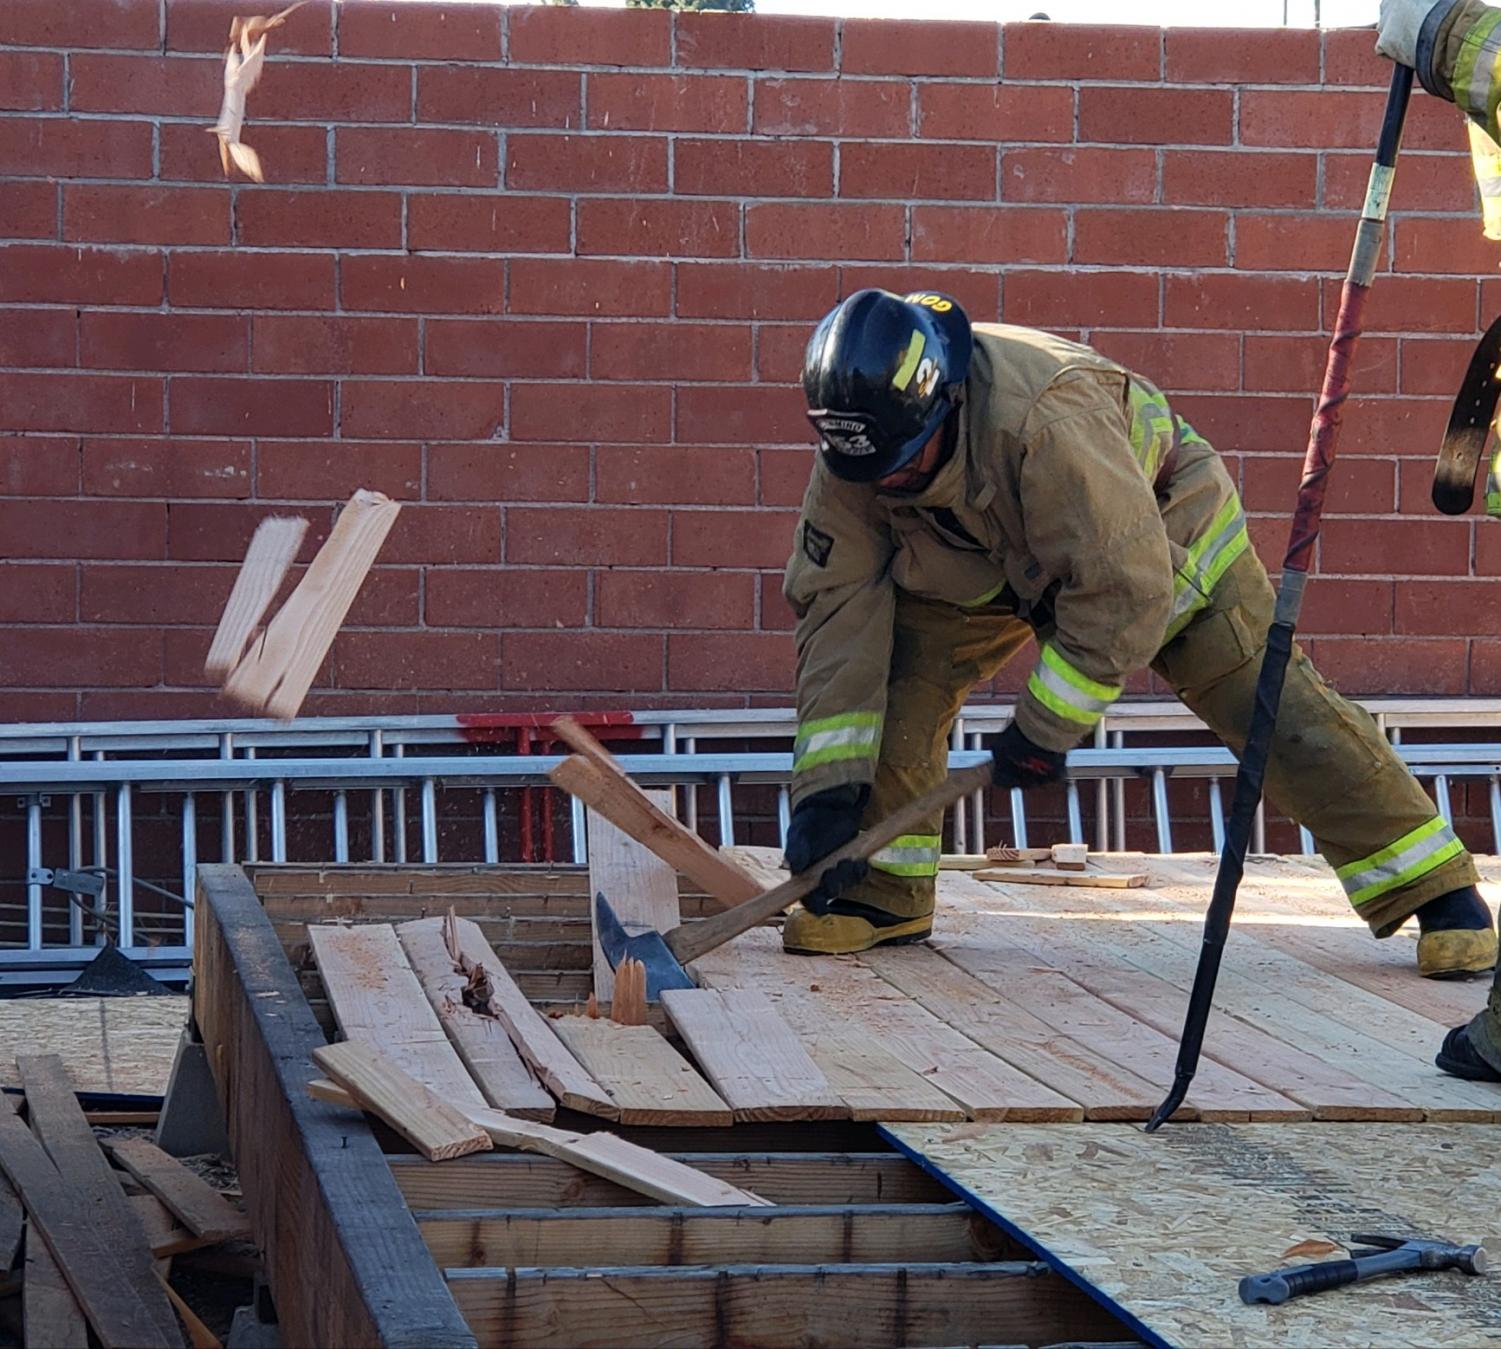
x=244, y=59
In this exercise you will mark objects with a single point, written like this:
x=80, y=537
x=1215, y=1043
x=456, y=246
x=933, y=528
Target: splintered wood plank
x=874, y=1083
x=641, y=888
x=751, y=1055
x=482, y=1042
x=277, y=671
x=435, y=1127
x=378, y=999
x=50, y=1313
x=530, y=1032
x=273, y=549
x=198, y=1206
x=649, y=1081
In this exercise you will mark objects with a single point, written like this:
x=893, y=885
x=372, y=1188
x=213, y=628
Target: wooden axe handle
x=689, y=941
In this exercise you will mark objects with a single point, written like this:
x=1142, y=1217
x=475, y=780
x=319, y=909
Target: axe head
x=663, y=969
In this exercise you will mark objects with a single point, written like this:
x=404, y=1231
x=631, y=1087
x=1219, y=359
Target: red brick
x=1066, y=51
x=926, y=169
x=1238, y=178
x=904, y=47
x=425, y=32
x=779, y=352
x=755, y=42
x=665, y=599
x=290, y=154
x=1073, y=174
x=81, y=23
x=747, y=290
x=1083, y=299
x=634, y=164
x=31, y=81
x=1176, y=360
x=236, y=280
x=1322, y=119
x=1248, y=422
x=29, y=210
x=1359, y=666
x=422, y=285
x=753, y=168
x=166, y=342
x=41, y=339
x=81, y=529
x=1242, y=55
x=1002, y=113
x=203, y=26
x=80, y=402
x=1431, y=125
x=656, y=228
x=1255, y=303
x=416, y=409
x=1394, y=425
x=1296, y=243
x=160, y=594
x=976, y=291
x=1433, y=365
x=1417, y=475
x=500, y=348
x=776, y=613
x=267, y=217
x=220, y=531
x=729, y=538
x=416, y=660
x=322, y=91
x=162, y=86
x=100, y=656
x=444, y=534
x=418, y=157
x=1415, y=497
x=593, y=662
x=717, y=104
x=1425, y=182
x=1485, y=668
x=1429, y=608
x=1406, y=304
x=1177, y=238
x=555, y=37
x=468, y=222
x=593, y=536
x=325, y=471
x=813, y=107
x=333, y=344
x=166, y=468
x=63, y=147
x=587, y=412
x=35, y=466
x=391, y=597
x=99, y=213
x=809, y=230
x=505, y=98
x=678, y=352
x=755, y=414
x=1442, y=244
x=38, y=593
x=1350, y=58
x=676, y=475
x=1356, y=608
x=256, y=407
x=1156, y=116
x=505, y=597
x=1361, y=485
x=784, y=475
x=735, y=662
x=1297, y=364
x=491, y=472
x=590, y=286
x=1402, y=547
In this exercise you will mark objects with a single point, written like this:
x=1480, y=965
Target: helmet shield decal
x=848, y=433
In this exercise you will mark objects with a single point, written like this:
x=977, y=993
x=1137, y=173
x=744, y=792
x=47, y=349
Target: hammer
x=1385, y=1255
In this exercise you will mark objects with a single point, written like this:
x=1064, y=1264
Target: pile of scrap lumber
x=89, y=1230
x=1060, y=864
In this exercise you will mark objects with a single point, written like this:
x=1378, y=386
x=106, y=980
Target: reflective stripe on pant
x=1331, y=769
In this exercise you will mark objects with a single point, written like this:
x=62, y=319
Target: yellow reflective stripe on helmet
x=905, y=370
x=909, y=855
x=850, y=735
x=1152, y=426
x=1411, y=857
x=1068, y=691
x=1210, y=556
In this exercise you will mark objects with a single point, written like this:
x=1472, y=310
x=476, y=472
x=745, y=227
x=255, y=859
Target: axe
x=665, y=954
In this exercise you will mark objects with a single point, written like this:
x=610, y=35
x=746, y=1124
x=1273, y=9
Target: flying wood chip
x=244, y=59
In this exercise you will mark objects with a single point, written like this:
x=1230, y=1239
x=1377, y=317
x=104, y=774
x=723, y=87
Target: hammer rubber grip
x=1285, y=1284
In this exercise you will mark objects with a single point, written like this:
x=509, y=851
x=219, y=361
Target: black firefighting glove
x=1017, y=762
x=822, y=823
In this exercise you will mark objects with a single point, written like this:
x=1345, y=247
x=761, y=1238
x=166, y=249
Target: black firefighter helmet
x=881, y=373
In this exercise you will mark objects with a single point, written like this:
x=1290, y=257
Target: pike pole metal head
x=663, y=969
x=1470, y=422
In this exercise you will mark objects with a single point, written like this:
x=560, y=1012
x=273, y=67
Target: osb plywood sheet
x=121, y=1045
x=1163, y=1227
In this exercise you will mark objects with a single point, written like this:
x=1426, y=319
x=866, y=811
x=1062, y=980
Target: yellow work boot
x=848, y=927
x=1459, y=940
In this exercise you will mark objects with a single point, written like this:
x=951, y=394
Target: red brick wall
x=545, y=275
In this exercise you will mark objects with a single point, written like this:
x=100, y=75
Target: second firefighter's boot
x=846, y=926
x=1458, y=937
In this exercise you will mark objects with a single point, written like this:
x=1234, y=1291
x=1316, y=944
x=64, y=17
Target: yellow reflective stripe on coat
x=851, y=735
x=1485, y=160
x=909, y=855
x=1209, y=558
x=1493, y=484
x=1411, y=857
x=1153, y=427
x=1067, y=691
x=1475, y=69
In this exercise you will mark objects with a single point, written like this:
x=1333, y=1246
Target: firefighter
x=981, y=486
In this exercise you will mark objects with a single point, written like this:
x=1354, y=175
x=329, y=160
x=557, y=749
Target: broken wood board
x=436, y=1128
x=378, y=999
x=276, y=672
x=482, y=1042
x=1163, y=1226
x=273, y=549
x=200, y=1208
x=649, y=1081
x=113, y=1045
x=641, y=889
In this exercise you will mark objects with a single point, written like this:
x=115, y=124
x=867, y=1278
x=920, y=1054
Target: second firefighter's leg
x=1333, y=771
x=939, y=652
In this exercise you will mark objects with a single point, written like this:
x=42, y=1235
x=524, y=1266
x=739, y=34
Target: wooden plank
x=341, y=1247
x=444, y=882
x=640, y=887
x=808, y=1234
x=123, y=1045
x=49, y=1312
x=163, y=1234
x=198, y=1206
x=649, y=1081
x=482, y=1042
x=433, y=1125
x=776, y=1306
x=874, y=1083
x=1099, y=880
x=277, y=671
x=273, y=549
x=377, y=999
x=644, y=816
x=751, y=1055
